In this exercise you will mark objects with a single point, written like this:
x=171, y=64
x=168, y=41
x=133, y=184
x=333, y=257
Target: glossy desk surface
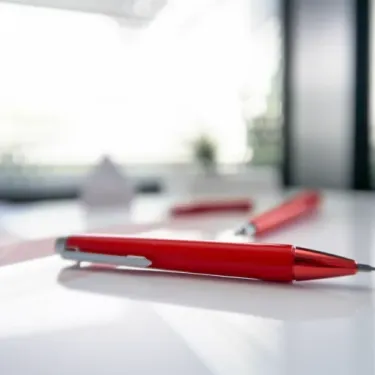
x=56, y=319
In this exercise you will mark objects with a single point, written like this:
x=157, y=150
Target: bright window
x=75, y=85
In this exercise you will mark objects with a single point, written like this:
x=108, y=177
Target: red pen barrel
x=300, y=205
x=270, y=262
x=234, y=205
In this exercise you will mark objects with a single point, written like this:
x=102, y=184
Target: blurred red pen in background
x=296, y=207
x=212, y=206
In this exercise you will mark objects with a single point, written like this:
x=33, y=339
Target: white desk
x=55, y=319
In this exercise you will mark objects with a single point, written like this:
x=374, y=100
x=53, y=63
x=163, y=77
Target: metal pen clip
x=78, y=256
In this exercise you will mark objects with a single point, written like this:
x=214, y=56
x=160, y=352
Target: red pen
x=201, y=207
x=269, y=262
x=300, y=205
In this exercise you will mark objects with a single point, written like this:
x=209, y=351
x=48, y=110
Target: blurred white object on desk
x=106, y=186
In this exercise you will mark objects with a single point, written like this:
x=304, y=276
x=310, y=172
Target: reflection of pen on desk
x=270, y=301
x=269, y=262
x=296, y=207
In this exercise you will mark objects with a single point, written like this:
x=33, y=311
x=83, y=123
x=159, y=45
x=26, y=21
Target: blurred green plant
x=264, y=138
x=205, y=152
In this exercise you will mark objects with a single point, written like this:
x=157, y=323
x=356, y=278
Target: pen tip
x=240, y=232
x=365, y=268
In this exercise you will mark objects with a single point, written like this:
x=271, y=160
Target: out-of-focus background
x=271, y=93
x=140, y=87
